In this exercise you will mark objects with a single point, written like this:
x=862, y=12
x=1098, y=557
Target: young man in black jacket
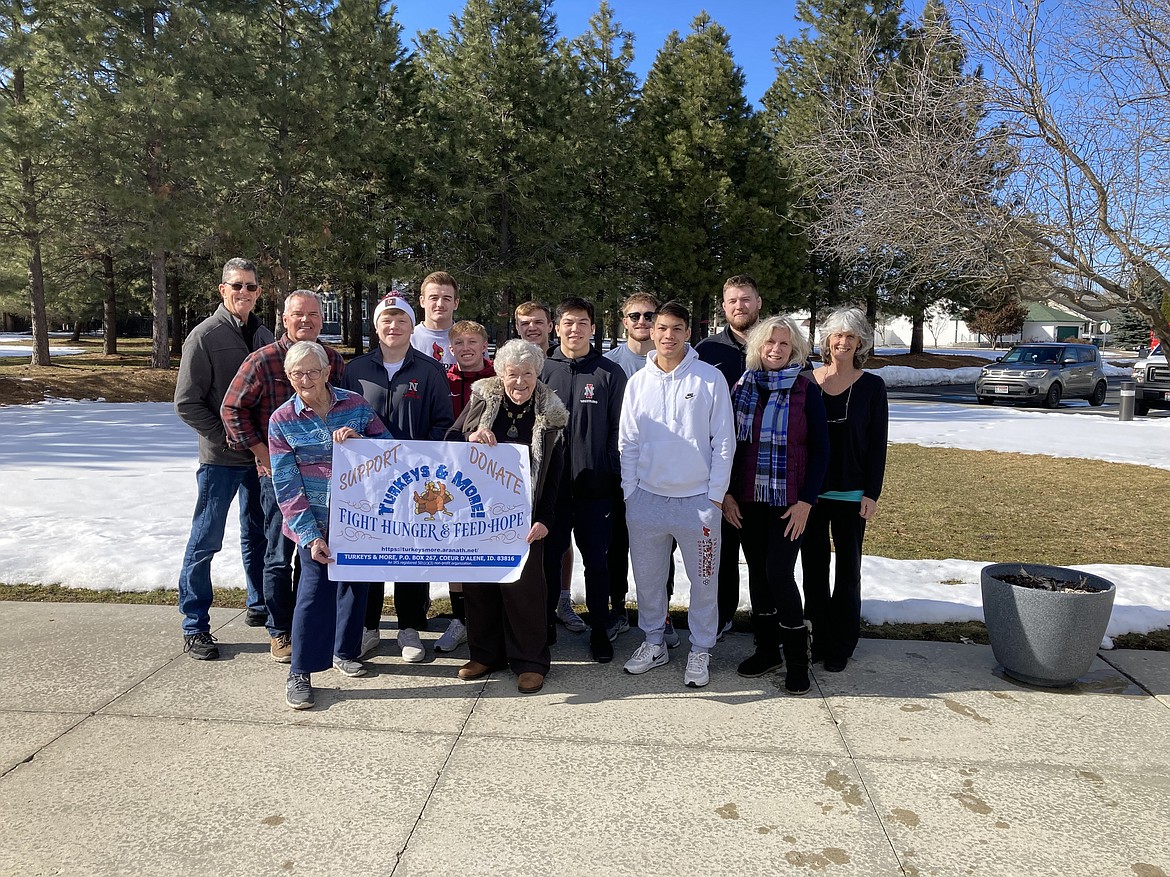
x=741, y=306
x=409, y=391
x=591, y=387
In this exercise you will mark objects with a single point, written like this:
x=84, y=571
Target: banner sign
x=428, y=511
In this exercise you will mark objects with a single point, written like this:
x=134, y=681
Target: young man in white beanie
x=409, y=391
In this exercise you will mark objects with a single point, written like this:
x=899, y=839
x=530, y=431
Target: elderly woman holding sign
x=327, y=619
x=506, y=624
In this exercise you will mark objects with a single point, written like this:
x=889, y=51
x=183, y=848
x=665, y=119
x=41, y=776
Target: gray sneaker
x=618, y=624
x=411, y=644
x=298, y=693
x=567, y=615
x=646, y=657
x=453, y=637
x=724, y=631
x=352, y=669
x=696, y=675
x=670, y=635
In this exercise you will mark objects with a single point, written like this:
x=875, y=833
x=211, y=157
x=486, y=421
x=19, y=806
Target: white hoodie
x=677, y=433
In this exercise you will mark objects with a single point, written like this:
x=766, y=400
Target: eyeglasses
x=635, y=316
x=845, y=416
x=251, y=287
x=313, y=373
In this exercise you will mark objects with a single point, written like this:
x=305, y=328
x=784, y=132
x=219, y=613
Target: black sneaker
x=201, y=646
x=600, y=646
x=760, y=663
x=256, y=617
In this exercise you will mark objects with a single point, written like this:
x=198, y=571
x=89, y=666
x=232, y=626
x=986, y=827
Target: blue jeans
x=278, y=577
x=217, y=486
x=328, y=618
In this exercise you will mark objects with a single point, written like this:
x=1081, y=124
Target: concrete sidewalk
x=121, y=755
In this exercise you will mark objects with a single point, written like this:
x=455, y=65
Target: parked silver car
x=1044, y=373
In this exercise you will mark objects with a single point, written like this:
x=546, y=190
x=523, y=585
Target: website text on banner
x=434, y=511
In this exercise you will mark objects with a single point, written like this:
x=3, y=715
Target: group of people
x=651, y=446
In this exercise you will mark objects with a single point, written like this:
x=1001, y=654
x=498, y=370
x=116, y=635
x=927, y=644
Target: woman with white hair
x=327, y=618
x=506, y=624
x=858, y=414
x=780, y=457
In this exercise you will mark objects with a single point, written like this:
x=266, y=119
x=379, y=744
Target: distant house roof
x=1039, y=312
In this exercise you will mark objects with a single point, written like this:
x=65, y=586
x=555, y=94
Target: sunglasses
x=635, y=316
x=251, y=287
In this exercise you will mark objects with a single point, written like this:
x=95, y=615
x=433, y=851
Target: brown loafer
x=474, y=670
x=530, y=683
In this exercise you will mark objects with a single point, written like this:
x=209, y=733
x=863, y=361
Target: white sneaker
x=352, y=669
x=567, y=615
x=411, y=644
x=371, y=639
x=696, y=675
x=646, y=657
x=670, y=635
x=453, y=637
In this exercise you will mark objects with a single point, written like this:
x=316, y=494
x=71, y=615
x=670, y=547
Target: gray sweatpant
x=692, y=521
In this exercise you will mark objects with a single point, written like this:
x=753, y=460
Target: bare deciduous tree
x=1061, y=152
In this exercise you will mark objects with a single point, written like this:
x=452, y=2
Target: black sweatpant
x=410, y=604
x=836, y=618
x=771, y=561
x=506, y=624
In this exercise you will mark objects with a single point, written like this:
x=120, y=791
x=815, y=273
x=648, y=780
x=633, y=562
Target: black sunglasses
x=251, y=287
x=635, y=316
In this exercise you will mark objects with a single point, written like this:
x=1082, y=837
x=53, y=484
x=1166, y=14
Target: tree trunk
x=109, y=307
x=355, y=318
x=916, y=340
x=160, y=355
x=176, y=311
x=32, y=237
x=75, y=336
x=371, y=303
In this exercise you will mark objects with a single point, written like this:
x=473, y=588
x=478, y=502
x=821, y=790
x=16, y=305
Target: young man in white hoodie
x=676, y=438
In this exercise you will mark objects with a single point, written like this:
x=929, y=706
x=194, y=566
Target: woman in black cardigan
x=858, y=414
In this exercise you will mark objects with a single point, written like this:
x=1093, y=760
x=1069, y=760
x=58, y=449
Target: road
x=964, y=394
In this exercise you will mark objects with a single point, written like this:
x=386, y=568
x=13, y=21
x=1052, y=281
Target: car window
x=1087, y=354
x=1032, y=354
x=1068, y=356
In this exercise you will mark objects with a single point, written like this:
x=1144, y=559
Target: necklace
x=523, y=410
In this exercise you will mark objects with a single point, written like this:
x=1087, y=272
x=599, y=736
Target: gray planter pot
x=1040, y=637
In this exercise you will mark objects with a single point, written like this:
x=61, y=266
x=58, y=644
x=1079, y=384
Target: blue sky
x=753, y=26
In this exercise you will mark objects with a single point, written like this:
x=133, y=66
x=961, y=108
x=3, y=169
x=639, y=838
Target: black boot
x=796, y=655
x=767, y=656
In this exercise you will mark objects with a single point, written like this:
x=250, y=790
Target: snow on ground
x=14, y=344
x=100, y=495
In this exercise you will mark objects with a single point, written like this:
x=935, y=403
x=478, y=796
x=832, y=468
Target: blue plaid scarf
x=772, y=452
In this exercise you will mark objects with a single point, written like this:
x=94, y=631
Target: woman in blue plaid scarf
x=781, y=454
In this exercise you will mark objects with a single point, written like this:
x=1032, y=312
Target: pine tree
x=30, y=121
x=697, y=139
x=810, y=69
x=497, y=171
x=603, y=141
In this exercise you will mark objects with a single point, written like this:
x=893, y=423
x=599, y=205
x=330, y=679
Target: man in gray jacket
x=212, y=354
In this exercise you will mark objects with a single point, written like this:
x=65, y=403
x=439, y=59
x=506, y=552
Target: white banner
x=428, y=511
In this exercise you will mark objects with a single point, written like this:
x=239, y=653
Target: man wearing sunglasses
x=637, y=319
x=258, y=389
x=212, y=354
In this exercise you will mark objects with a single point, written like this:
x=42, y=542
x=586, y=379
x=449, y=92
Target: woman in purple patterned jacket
x=327, y=619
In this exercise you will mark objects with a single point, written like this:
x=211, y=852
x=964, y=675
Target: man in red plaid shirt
x=258, y=389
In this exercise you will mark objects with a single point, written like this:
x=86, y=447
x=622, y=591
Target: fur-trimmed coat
x=548, y=437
